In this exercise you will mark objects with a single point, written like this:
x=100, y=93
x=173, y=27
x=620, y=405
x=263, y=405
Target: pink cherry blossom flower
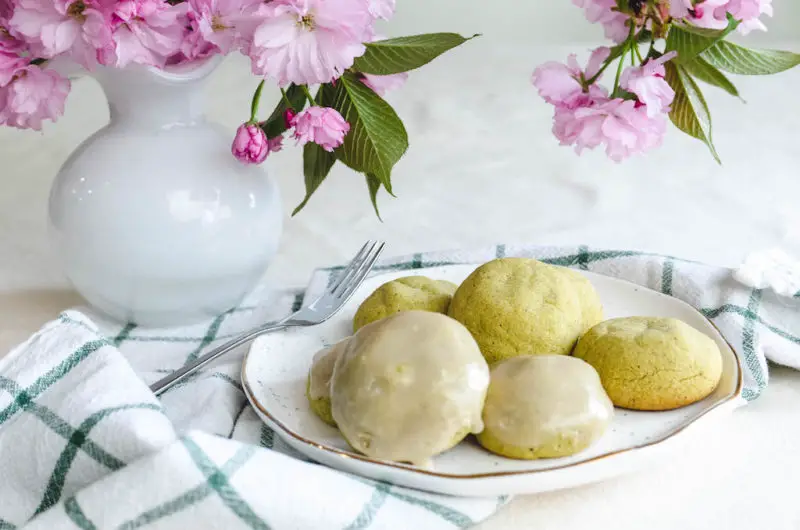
x=620, y=124
x=614, y=22
x=712, y=14
x=559, y=84
x=194, y=45
x=145, y=32
x=381, y=84
x=382, y=8
x=648, y=83
x=6, y=10
x=10, y=65
x=78, y=28
x=680, y=8
x=309, y=41
x=33, y=95
x=709, y=14
x=321, y=125
x=748, y=12
x=250, y=145
x=216, y=22
x=9, y=40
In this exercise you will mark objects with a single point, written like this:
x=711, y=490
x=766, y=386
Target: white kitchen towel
x=85, y=444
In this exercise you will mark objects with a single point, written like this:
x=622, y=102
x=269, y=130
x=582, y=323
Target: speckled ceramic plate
x=274, y=377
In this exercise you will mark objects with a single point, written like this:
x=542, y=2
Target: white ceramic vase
x=154, y=220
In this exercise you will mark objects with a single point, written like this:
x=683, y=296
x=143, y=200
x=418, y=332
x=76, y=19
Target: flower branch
x=661, y=85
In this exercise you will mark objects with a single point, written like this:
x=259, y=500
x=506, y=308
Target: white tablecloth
x=483, y=168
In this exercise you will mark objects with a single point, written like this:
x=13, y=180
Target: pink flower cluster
x=604, y=12
x=713, y=13
x=702, y=13
x=321, y=125
x=288, y=41
x=587, y=117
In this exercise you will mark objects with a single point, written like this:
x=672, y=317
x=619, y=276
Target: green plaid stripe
x=450, y=515
x=267, y=438
x=22, y=398
x=666, y=276
x=61, y=427
x=191, y=497
x=583, y=257
x=370, y=509
x=236, y=419
x=122, y=335
x=76, y=441
x=208, y=338
x=76, y=515
x=749, y=334
x=566, y=260
x=5, y=525
x=219, y=482
x=745, y=312
x=500, y=251
x=298, y=302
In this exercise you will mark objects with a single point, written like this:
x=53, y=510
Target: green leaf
x=690, y=41
x=275, y=124
x=700, y=69
x=374, y=185
x=689, y=111
x=317, y=163
x=737, y=59
x=377, y=138
x=393, y=56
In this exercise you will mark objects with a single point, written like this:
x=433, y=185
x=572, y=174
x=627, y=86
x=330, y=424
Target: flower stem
x=638, y=52
x=256, y=101
x=619, y=71
x=308, y=95
x=596, y=76
x=286, y=99
x=629, y=43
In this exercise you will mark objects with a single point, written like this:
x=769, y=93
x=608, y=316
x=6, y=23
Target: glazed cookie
x=544, y=406
x=520, y=306
x=409, y=386
x=404, y=294
x=318, y=389
x=650, y=363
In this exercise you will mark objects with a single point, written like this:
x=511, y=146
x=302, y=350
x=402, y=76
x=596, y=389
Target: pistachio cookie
x=405, y=294
x=520, y=306
x=409, y=386
x=651, y=363
x=544, y=406
x=318, y=389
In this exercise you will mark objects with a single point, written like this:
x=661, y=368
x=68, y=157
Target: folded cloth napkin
x=85, y=444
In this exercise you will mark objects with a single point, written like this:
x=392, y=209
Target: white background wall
x=544, y=21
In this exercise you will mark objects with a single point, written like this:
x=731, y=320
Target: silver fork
x=317, y=312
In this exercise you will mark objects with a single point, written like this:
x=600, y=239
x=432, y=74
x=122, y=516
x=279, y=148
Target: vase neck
x=145, y=97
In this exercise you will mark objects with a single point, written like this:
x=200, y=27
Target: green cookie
x=404, y=294
x=650, y=363
x=520, y=306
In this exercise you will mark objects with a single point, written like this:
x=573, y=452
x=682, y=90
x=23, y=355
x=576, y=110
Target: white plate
x=274, y=378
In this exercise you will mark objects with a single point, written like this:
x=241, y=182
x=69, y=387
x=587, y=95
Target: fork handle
x=165, y=383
